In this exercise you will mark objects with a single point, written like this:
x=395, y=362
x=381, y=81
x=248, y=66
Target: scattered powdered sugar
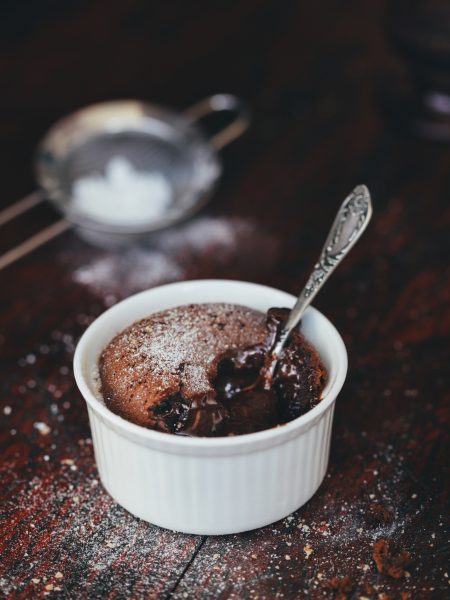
x=206, y=246
x=43, y=428
x=123, y=196
x=331, y=537
x=73, y=538
x=69, y=533
x=132, y=271
x=207, y=233
x=64, y=533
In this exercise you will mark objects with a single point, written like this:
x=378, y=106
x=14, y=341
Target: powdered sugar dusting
x=107, y=272
x=206, y=245
x=205, y=233
x=123, y=195
x=64, y=509
x=180, y=348
x=330, y=537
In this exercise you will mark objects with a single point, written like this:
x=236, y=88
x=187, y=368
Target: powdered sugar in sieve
x=123, y=195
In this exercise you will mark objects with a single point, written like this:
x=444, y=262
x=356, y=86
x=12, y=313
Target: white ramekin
x=210, y=485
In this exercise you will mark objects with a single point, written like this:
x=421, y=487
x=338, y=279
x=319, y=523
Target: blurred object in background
x=121, y=170
x=127, y=168
x=419, y=99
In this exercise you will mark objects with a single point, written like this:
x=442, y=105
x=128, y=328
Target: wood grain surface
x=312, y=73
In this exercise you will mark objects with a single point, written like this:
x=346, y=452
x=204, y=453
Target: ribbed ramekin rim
x=175, y=442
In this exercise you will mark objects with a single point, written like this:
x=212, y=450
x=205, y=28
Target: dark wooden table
x=312, y=74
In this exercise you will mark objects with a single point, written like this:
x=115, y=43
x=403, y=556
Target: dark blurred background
x=293, y=62
x=334, y=64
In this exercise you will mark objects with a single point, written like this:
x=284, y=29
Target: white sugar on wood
x=123, y=196
x=123, y=274
x=176, y=253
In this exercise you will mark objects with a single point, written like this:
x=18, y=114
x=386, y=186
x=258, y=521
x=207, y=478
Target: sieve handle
x=21, y=206
x=219, y=103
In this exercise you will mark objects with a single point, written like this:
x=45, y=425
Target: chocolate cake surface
x=195, y=370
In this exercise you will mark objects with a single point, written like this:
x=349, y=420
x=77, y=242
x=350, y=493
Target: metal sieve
x=152, y=138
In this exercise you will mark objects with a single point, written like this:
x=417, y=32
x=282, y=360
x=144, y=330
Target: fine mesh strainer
x=153, y=140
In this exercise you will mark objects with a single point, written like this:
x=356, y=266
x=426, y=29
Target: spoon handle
x=349, y=224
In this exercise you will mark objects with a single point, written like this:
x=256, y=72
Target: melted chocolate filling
x=244, y=402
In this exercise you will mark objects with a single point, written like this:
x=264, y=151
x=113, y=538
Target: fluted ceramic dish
x=210, y=486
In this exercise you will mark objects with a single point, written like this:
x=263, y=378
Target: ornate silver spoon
x=349, y=224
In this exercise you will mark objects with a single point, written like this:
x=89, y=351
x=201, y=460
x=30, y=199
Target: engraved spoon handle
x=349, y=224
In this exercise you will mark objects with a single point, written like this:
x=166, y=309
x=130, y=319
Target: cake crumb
x=388, y=563
x=42, y=427
x=342, y=586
